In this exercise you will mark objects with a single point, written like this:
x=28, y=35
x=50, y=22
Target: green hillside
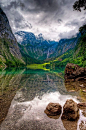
x=28, y=59
x=10, y=55
x=6, y=58
x=76, y=55
x=79, y=56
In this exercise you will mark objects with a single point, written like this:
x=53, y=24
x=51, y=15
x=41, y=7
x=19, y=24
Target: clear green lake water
x=25, y=93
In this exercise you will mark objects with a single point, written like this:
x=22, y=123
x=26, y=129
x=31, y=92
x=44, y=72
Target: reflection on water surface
x=28, y=92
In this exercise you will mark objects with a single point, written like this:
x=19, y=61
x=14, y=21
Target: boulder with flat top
x=53, y=109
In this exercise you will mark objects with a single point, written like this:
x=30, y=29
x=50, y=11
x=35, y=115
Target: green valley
x=38, y=53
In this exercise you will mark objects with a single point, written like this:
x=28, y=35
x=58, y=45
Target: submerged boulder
x=53, y=109
x=70, y=125
x=74, y=72
x=70, y=110
x=82, y=105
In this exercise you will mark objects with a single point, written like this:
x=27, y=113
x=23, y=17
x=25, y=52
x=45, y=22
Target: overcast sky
x=55, y=19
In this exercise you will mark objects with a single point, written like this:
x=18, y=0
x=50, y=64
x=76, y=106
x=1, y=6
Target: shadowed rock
x=70, y=125
x=53, y=109
x=82, y=105
x=82, y=125
x=70, y=110
x=74, y=72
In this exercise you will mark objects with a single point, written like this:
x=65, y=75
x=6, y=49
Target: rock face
x=82, y=105
x=8, y=43
x=70, y=110
x=74, y=72
x=53, y=109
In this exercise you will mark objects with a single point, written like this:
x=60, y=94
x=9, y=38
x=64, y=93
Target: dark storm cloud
x=53, y=18
x=18, y=17
x=50, y=7
x=15, y=4
x=20, y=22
x=23, y=24
x=74, y=22
x=34, y=5
x=38, y=5
x=68, y=34
x=59, y=21
x=47, y=5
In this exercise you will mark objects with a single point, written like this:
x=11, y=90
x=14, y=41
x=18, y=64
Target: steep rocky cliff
x=9, y=50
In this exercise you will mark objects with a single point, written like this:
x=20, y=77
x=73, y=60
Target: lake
x=25, y=93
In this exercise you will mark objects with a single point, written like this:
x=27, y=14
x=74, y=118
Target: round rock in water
x=53, y=109
x=70, y=110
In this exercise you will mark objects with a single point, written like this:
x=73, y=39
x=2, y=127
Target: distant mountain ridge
x=36, y=47
x=41, y=49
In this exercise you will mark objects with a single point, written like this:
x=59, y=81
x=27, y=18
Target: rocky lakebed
x=41, y=100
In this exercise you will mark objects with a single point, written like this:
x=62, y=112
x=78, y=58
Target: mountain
x=24, y=37
x=42, y=49
x=65, y=45
x=77, y=55
x=9, y=50
x=36, y=47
